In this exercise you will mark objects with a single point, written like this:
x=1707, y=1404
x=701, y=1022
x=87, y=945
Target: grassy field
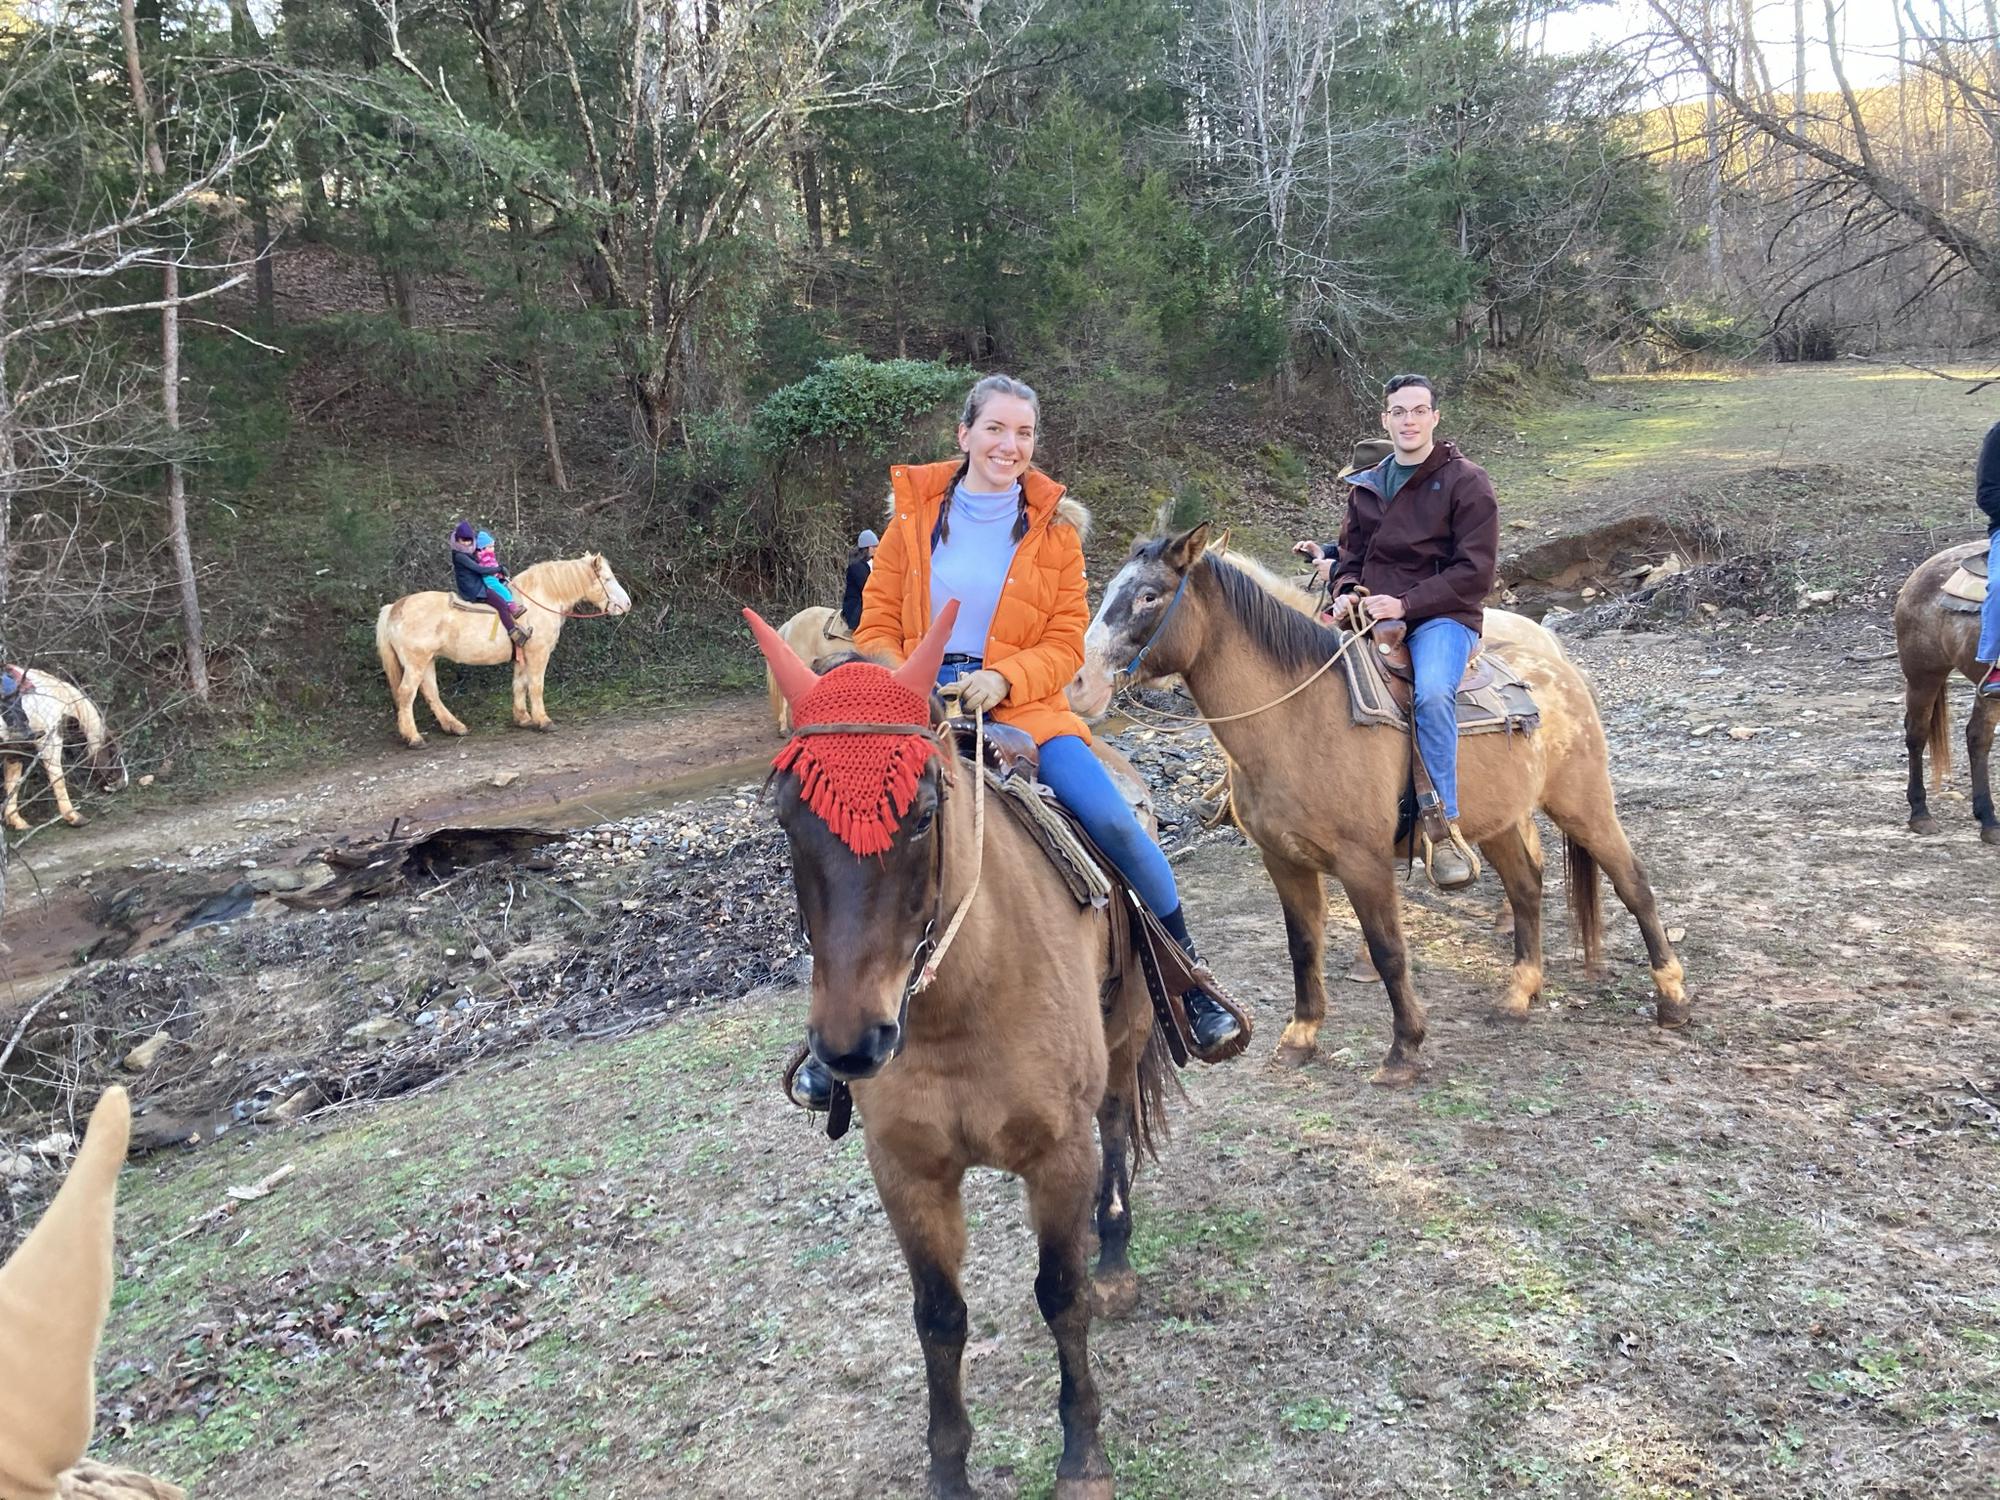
x=1581, y=1258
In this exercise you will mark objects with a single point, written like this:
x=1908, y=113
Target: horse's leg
x=52, y=767
x=1370, y=883
x=929, y=1221
x=538, y=713
x=1978, y=753
x=1059, y=1203
x=1302, y=893
x=448, y=721
x=414, y=673
x=1115, y=1286
x=1521, y=873
x=1920, y=704
x=1593, y=824
x=13, y=773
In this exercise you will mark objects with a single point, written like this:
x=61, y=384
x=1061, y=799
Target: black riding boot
x=1211, y=1024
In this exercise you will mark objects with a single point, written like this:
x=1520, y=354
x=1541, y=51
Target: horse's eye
x=924, y=820
x=1148, y=596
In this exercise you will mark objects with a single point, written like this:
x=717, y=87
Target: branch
x=91, y=313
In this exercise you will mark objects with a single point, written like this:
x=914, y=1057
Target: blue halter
x=1132, y=667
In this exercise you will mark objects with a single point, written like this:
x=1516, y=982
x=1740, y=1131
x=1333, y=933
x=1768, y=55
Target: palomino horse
x=1932, y=642
x=1319, y=794
x=815, y=633
x=412, y=633
x=977, y=1014
x=50, y=704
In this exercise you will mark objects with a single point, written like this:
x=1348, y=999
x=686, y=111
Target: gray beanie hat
x=867, y=539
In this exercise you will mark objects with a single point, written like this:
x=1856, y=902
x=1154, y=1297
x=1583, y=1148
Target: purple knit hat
x=463, y=532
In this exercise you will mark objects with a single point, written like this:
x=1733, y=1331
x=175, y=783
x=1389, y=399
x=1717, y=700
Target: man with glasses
x=1421, y=539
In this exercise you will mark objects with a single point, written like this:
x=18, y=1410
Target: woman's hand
x=982, y=691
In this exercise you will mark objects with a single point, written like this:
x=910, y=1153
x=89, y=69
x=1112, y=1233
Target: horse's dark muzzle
x=871, y=1051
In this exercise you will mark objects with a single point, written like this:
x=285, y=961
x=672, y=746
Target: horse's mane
x=556, y=575
x=1298, y=595
x=1290, y=637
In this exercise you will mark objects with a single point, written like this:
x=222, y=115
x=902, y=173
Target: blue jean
x=1081, y=784
x=1439, y=650
x=1989, y=614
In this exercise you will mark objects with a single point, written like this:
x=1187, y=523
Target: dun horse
x=50, y=704
x=1932, y=642
x=1319, y=794
x=989, y=1043
x=412, y=633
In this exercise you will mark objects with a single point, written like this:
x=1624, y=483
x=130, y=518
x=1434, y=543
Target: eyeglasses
x=1397, y=413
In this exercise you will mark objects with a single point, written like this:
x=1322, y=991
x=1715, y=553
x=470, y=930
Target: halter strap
x=1132, y=667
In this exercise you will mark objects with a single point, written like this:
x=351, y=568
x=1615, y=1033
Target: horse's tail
x=1586, y=916
x=1938, y=731
x=107, y=762
x=392, y=664
x=1147, y=1118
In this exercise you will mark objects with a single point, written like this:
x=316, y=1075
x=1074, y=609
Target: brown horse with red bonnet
x=975, y=1011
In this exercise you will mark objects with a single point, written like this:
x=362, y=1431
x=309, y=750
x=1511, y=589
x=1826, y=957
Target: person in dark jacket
x=1421, y=541
x=1987, y=488
x=472, y=579
x=859, y=564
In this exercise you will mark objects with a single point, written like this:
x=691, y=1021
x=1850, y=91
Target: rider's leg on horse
x=509, y=613
x=1989, y=622
x=1439, y=651
x=1081, y=784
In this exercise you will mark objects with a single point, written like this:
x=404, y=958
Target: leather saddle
x=1964, y=592
x=1012, y=770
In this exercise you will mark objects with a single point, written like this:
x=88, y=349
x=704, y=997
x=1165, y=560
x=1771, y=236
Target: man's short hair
x=1402, y=381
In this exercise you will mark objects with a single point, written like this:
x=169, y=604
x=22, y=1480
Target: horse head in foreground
x=972, y=1005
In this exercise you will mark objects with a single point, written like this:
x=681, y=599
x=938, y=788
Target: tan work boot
x=519, y=634
x=1448, y=858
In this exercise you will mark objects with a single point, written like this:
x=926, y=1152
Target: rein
x=567, y=614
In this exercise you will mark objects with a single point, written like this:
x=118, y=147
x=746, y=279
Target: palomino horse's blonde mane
x=559, y=582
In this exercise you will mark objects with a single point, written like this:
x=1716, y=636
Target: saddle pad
x=1501, y=702
x=478, y=607
x=1035, y=807
x=1964, y=591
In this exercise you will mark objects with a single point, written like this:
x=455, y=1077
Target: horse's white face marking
x=1090, y=690
x=616, y=600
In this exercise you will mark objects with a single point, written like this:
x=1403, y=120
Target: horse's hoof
x=1924, y=824
x=1514, y=1014
x=1396, y=1075
x=456, y=729
x=413, y=740
x=1671, y=1015
x=75, y=820
x=1085, y=1489
x=19, y=825
x=1290, y=1055
x=1115, y=1295
x=1990, y=834
x=546, y=726
x=1364, y=972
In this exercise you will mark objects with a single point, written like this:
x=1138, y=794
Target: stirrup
x=1453, y=839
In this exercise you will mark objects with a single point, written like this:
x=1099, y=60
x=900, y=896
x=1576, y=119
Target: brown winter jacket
x=1435, y=546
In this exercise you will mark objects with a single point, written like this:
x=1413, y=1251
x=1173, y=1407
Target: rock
x=290, y=1109
x=506, y=778
x=1820, y=596
x=1701, y=729
x=147, y=779
x=1743, y=732
x=16, y=1165
x=375, y=1029
x=1676, y=934
x=57, y=1144
x=1590, y=593
x=147, y=1052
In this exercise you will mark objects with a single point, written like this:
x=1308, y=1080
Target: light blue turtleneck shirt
x=971, y=563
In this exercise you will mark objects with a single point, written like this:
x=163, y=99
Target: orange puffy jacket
x=1036, y=640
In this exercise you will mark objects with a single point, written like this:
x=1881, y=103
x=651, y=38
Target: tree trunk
x=558, y=475
x=809, y=195
x=1714, y=150
x=170, y=375
x=267, y=287
x=1799, y=89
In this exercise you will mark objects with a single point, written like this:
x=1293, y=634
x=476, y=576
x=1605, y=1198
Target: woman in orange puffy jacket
x=998, y=535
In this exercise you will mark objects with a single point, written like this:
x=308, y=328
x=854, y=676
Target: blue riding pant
x=1989, y=613
x=1439, y=651
x=1081, y=784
